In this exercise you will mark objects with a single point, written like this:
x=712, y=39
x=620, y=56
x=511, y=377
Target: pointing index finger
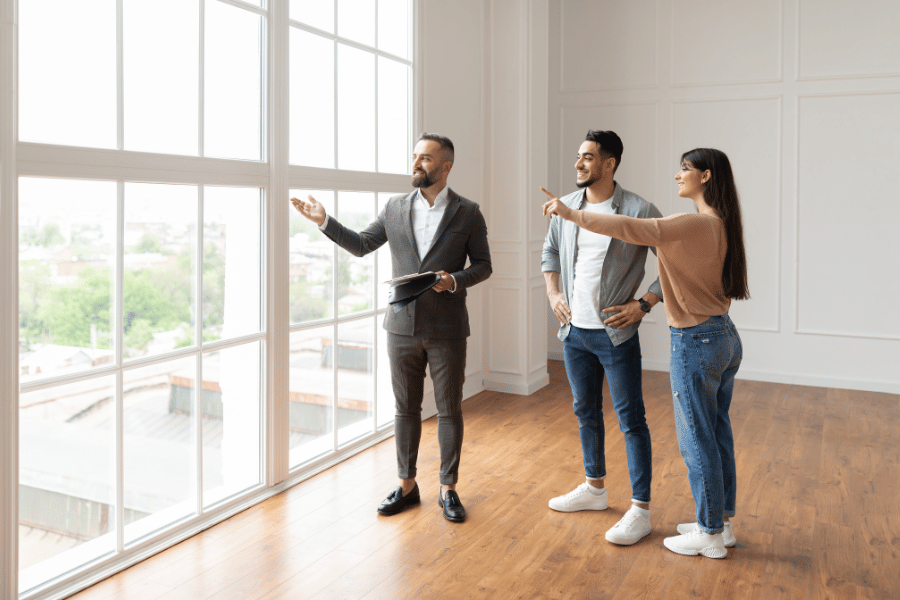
x=549, y=194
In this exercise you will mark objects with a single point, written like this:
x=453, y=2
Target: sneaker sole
x=626, y=543
x=571, y=510
x=685, y=530
x=707, y=552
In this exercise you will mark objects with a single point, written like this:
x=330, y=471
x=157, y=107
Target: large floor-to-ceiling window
x=160, y=262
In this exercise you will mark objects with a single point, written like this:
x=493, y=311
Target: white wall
x=484, y=84
x=450, y=103
x=804, y=97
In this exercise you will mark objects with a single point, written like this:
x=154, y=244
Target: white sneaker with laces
x=697, y=542
x=581, y=498
x=631, y=528
x=727, y=535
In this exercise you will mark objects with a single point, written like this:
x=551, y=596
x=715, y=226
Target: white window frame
x=273, y=175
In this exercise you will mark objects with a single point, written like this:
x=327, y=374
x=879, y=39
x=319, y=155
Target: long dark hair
x=721, y=195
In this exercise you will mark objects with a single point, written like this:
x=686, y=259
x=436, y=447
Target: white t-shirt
x=590, y=253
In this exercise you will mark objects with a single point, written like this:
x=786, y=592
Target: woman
x=702, y=267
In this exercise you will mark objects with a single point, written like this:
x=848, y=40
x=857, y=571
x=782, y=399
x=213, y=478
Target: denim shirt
x=623, y=267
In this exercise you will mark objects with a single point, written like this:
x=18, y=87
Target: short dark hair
x=446, y=145
x=608, y=142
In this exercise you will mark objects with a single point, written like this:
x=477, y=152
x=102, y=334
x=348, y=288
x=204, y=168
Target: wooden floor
x=818, y=513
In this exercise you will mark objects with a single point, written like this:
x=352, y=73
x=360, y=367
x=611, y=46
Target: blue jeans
x=589, y=354
x=705, y=359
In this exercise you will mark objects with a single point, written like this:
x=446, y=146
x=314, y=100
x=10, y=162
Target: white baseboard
x=515, y=384
x=553, y=355
x=843, y=383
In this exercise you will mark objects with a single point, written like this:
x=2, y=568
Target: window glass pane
x=355, y=350
x=312, y=262
x=67, y=233
x=161, y=79
x=67, y=72
x=383, y=256
x=385, y=391
x=355, y=274
x=393, y=27
x=356, y=20
x=356, y=109
x=67, y=510
x=231, y=431
x=393, y=116
x=160, y=267
x=159, y=445
x=232, y=82
x=232, y=275
x=311, y=394
x=312, y=100
x=318, y=13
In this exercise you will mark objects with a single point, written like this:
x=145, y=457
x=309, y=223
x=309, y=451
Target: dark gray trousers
x=447, y=362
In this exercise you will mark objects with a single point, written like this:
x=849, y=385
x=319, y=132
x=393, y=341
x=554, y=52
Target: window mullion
x=336, y=116
x=375, y=93
x=119, y=345
x=198, y=338
x=201, y=72
x=120, y=76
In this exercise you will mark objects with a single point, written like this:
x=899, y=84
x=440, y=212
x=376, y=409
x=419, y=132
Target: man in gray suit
x=430, y=229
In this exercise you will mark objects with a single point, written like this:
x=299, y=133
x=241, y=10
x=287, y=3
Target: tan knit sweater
x=690, y=250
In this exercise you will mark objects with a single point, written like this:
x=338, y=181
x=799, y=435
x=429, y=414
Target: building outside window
x=154, y=230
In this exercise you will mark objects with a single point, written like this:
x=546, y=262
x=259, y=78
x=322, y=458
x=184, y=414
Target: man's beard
x=586, y=182
x=426, y=179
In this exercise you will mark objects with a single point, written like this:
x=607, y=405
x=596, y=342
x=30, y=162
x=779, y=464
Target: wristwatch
x=645, y=306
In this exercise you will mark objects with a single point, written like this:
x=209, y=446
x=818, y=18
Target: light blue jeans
x=705, y=359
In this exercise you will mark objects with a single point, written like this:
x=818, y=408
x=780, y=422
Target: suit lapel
x=449, y=212
x=407, y=215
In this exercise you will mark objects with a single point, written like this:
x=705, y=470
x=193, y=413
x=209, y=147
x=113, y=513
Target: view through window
x=142, y=344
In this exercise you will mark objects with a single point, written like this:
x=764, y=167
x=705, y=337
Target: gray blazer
x=623, y=268
x=461, y=234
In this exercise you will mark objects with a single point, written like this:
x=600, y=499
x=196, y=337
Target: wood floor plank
x=817, y=513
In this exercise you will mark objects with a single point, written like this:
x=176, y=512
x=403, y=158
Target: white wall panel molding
x=537, y=352
x=9, y=313
x=750, y=89
x=749, y=130
x=832, y=273
x=518, y=128
x=618, y=29
x=505, y=330
x=726, y=42
x=825, y=50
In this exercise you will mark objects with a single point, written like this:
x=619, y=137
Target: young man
x=431, y=229
x=591, y=284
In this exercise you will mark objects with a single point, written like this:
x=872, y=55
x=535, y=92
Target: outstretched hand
x=312, y=209
x=555, y=206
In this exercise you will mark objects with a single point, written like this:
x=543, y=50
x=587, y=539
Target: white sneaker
x=697, y=542
x=727, y=535
x=631, y=528
x=581, y=498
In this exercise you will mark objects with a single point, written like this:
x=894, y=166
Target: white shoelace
x=627, y=519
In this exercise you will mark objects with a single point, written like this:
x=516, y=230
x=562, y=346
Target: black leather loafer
x=397, y=502
x=453, y=508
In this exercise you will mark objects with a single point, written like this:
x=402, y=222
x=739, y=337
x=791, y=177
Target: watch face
x=645, y=306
